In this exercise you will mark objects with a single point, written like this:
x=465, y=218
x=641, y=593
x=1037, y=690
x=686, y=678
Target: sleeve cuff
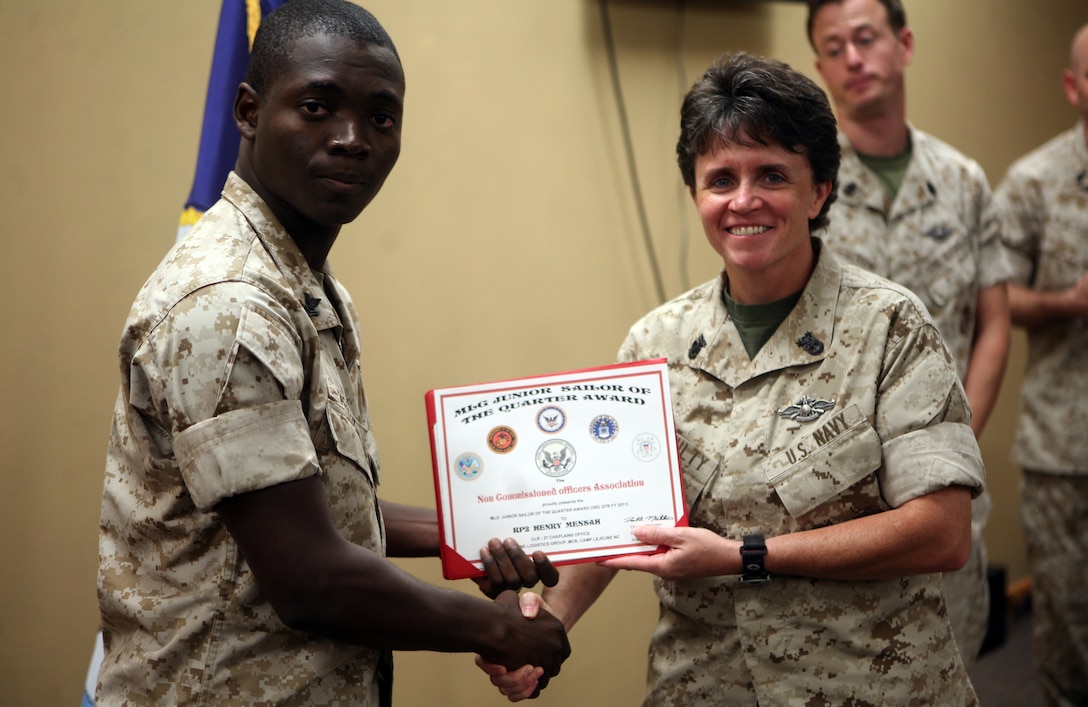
x=930, y=459
x=245, y=450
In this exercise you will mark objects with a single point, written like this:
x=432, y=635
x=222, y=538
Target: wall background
x=505, y=243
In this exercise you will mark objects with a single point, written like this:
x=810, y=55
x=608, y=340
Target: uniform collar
x=859, y=187
x=803, y=338
x=307, y=288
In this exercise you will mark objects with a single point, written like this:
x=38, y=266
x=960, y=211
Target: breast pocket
x=825, y=462
x=350, y=438
x=952, y=271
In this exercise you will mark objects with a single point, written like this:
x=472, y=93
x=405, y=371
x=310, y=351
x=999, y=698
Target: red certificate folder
x=568, y=463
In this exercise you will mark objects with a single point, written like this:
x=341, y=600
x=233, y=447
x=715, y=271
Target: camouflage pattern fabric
x=1044, y=200
x=940, y=238
x=893, y=427
x=1054, y=509
x=240, y=370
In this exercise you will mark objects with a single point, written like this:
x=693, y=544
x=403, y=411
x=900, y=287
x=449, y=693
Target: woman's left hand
x=689, y=552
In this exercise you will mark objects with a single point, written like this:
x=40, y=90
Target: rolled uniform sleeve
x=929, y=460
x=995, y=263
x=231, y=374
x=923, y=418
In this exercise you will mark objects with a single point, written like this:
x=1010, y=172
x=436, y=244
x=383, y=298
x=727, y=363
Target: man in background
x=1044, y=201
x=915, y=210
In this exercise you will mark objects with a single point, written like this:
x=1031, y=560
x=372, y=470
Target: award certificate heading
x=567, y=463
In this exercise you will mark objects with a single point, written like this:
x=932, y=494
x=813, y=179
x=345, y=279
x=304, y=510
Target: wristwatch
x=752, y=552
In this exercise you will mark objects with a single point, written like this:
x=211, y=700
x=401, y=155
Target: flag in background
x=218, y=151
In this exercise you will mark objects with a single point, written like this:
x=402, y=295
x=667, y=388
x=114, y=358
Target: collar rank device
x=752, y=552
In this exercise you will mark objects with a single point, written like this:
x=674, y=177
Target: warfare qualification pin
x=806, y=409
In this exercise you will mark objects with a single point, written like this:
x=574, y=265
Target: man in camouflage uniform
x=1044, y=199
x=913, y=209
x=242, y=540
x=820, y=419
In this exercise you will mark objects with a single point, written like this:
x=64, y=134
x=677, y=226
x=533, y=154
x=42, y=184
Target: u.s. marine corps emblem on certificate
x=556, y=457
x=502, y=439
x=469, y=466
x=551, y=419
x=806, y=409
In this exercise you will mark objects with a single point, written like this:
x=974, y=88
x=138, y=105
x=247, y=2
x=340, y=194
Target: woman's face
x=755, y=203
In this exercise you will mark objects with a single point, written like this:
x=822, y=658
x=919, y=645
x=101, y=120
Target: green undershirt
x=756, y=323
x=889, y=170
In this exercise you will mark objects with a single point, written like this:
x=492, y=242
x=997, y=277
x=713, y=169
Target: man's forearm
x=411, y=531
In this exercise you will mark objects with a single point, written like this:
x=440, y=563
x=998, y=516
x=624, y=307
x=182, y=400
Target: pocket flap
x=825, y=462
x=349, y=443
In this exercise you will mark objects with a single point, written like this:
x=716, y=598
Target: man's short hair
x=298, y=19
x=897, y=16
x=744, y=99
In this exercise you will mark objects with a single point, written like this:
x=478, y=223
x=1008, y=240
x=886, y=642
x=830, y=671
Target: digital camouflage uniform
x=1044, y=198
x=240, y=370
x=896, y=430
x=940, y=238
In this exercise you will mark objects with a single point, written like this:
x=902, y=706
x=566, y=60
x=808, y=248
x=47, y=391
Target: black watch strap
x=752, y=552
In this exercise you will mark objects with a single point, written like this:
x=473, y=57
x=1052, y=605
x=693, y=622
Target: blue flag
x=238, y=21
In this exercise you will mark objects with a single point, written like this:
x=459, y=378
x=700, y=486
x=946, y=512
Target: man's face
x=327, y=133
x=860, y=58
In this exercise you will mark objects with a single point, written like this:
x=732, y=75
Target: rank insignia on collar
x=310, y=304
x=806, y=409
x=696, y=347
x=811, y=344
x=939, y=232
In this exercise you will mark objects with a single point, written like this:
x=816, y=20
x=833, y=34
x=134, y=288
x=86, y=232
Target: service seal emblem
x=556, y=458
x=646, y=447
x=604, y=428
x=468, y=466
x=502, y=439
x=551, y=419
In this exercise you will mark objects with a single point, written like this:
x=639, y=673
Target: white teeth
x=749, y=230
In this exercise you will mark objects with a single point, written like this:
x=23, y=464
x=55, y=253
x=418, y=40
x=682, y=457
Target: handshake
x=537, y=643
x=518, y=682
x=532, y=643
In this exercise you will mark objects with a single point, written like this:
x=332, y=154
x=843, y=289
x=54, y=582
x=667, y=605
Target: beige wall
x=506, y=242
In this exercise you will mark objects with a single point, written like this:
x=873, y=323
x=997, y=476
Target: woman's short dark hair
x=298, y=19
x=744, y=99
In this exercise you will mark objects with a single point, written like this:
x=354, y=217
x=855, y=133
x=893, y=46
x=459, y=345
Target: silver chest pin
x=806, y=409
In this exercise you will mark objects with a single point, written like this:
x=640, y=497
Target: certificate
x=567, y=463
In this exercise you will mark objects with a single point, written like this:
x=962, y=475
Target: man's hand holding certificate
x=566, y=463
